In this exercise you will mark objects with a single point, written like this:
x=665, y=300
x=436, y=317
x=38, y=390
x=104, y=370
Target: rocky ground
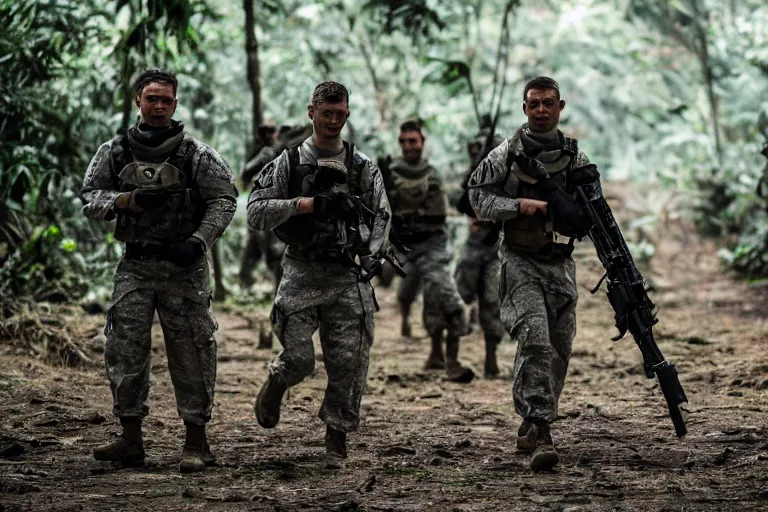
x=426, y=444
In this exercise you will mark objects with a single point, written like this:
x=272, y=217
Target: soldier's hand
x=334, y=206
x=187, y=252
x=149, y=198
x=529, y=207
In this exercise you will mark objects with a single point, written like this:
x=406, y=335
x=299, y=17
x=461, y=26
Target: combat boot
x=524, y=442
x=196, y=453
x=267, y=406
x=491, y=367
x=335, y=448
x=128, y=449
x=436, y=361
x=455, y=371
x=536, y=439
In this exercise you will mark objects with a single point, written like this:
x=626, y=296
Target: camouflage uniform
x=477, y=278
x=320, y=287
x=419, y=207
x=201, y=207
x=538, y=277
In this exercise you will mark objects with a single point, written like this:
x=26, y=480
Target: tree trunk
x=127, y=88
x=702, y=52
x=254, y=79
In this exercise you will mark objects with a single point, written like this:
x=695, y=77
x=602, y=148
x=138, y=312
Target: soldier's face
x=412, y=144
x=328, y=119
x=543, y=108
x=157, y=104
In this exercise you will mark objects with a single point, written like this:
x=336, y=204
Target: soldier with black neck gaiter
x=524, y=184
x=172, y=197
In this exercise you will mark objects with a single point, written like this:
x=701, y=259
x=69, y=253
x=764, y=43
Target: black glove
x=464, y=206
x=568, y=217
x=335, y=206
x=187, y=252
x=150, y=198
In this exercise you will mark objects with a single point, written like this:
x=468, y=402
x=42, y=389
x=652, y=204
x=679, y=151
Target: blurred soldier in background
x=477, y=271
x=419, y=208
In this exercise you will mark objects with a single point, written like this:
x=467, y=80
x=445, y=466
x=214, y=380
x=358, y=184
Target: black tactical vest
x=305, y=231
x=534, y=233
x=181, y=215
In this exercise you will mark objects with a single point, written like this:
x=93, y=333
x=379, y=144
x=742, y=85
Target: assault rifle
x=634, y=311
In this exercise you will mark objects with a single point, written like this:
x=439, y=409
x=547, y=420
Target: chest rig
x=535, y=234
x=178, y=219
x=305, y=232
x=417, y=201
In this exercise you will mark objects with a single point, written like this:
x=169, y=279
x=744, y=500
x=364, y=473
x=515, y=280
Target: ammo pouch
x=528, y=234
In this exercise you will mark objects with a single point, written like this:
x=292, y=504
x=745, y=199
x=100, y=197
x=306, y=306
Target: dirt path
x=426, y=444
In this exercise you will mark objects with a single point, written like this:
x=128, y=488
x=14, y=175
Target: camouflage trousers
x=182, y=300
x=314, y=296
x=477, y=279
x=538, y=309
x=258, y=245
x=410, y=286
x=443, y=307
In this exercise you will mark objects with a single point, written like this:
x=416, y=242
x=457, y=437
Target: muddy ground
x=426, y=444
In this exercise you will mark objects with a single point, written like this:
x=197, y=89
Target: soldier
x=538, y=276
x=264, y=244
x=172, y=196
x=477, y=271
x=327, y=202
x=419, y=207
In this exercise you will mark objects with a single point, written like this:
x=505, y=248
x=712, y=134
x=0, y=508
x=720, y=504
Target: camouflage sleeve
x=489, y=191
x=100, y=187
x=257, y=163
x=268, y=204
x=383, y=220
x=215, y=183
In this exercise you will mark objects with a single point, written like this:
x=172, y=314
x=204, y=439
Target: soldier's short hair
x=162, y=76
x=330, y=92
x=541, y=82
x=412, y=125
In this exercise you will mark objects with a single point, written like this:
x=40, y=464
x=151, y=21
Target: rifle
x=634, y=311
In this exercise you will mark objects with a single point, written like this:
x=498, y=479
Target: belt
x=328, y=256
x=146, y=251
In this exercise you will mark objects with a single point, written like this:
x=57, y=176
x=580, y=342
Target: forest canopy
x=670, y=92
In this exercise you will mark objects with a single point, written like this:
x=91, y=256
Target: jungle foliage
x=672, y=91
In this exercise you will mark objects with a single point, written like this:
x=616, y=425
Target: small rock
x=191, y=493
x=12, y=450
x=96, y=418
x=398, y=450
x=721, y=458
